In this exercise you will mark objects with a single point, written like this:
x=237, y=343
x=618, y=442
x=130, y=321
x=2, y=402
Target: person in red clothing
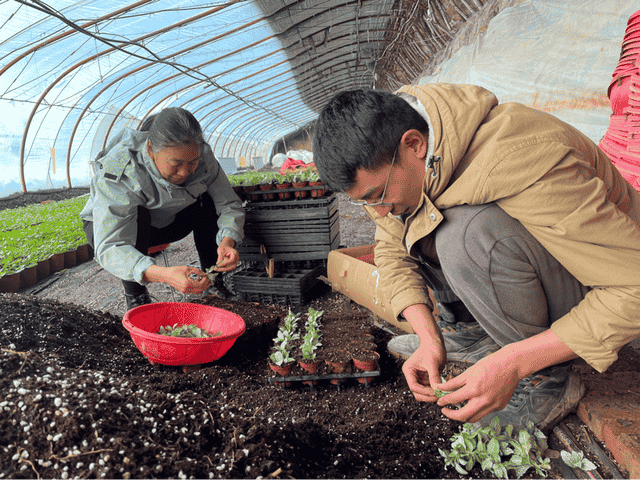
x=622, y=140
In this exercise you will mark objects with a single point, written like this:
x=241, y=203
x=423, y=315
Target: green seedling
x=210, y=272
x=498, y=450
x=281, y=356
x=442, y=393
x=187, y=331
x=577, y=460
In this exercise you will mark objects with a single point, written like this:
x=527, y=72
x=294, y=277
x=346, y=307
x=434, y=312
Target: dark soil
x=79, y=400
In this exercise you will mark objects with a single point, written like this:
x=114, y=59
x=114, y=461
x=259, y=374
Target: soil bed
x=79, y=400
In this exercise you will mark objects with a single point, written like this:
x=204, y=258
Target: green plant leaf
x=461, y=470
x=577, y=459
x=500, y=471
x=524, y=437
x=487, y=464
x=520, y=471
x=495, y=426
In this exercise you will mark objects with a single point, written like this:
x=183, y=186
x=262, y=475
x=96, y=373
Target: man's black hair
x=360, y=129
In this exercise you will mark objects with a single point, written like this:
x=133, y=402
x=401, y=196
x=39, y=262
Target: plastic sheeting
x=555, y=55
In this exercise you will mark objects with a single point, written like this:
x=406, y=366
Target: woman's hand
x=179, y=277
x=228, y=256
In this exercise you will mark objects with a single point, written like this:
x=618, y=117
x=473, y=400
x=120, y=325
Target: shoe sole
x=574, y=392
x=398, y=356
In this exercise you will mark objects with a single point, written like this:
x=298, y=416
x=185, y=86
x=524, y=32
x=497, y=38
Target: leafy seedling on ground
x=577, y=460
x=497, y=450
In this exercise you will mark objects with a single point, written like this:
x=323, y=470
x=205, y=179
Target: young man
x=526, y=233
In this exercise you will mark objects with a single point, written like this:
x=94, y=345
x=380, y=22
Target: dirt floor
x=79, y=400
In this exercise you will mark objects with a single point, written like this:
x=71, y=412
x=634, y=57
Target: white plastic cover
x=555, y=55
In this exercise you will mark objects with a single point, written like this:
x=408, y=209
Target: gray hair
x=172, y=127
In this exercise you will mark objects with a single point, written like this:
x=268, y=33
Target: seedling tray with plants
x=266, y=186
x=312, y=349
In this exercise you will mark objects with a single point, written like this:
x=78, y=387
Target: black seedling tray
x=333, y=376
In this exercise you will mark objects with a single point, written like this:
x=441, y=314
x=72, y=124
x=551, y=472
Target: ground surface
x=79, y=400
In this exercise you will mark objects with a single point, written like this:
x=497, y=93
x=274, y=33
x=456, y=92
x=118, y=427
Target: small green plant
x=281, y=356
x=187, y=331
x=311, y=339
x=285, y=336
x=281, y=179
x=577, y=460
x=210, y=272
x=497, y=450
x=291, y=321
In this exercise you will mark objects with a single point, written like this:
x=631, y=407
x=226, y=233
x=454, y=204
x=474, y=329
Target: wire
x=44, y=8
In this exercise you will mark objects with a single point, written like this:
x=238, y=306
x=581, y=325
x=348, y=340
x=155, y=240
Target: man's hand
x=487, y=386
x=422, y=369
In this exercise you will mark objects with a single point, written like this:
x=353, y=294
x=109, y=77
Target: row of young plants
x=247, y=179
x=34, y=233
x=287, y=349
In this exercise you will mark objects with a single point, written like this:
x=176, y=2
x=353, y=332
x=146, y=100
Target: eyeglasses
x=381, y=203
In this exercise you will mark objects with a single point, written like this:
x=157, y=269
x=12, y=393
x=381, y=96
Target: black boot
x=135, y=300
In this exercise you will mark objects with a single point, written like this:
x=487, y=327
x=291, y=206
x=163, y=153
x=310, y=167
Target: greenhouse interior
x=180, y=219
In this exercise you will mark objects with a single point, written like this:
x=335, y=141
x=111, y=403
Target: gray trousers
x=508, y=282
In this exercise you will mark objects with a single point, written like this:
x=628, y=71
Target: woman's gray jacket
x=127, y=178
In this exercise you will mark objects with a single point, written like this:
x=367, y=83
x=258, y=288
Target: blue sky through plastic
x=218, y=60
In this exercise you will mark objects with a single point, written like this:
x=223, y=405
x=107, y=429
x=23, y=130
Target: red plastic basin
x=142, y=322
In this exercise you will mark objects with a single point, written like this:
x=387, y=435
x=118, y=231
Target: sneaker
x=464, y=342
x=137, y=300
x=544, y=398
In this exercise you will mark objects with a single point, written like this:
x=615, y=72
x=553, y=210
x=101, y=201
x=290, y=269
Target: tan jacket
x=550, y=177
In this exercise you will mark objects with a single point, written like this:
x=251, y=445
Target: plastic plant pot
x=299, y=193
x=249, y=192
x=317, y=192
x=56, y=262
x=283, y=195
x=366, y=361
x=337, y=361
x=70, y=259
x=10, y=283
x=82, y=253
x=142, y=322
x=43, y=269
x=282, y=371
x=267, y=187
x=29, y=276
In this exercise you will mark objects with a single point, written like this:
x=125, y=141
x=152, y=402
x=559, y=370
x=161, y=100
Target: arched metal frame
x=330, y=46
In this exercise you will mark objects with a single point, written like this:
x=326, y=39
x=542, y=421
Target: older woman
x=155, y=186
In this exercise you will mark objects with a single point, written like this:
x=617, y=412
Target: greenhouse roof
x=73, y=73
